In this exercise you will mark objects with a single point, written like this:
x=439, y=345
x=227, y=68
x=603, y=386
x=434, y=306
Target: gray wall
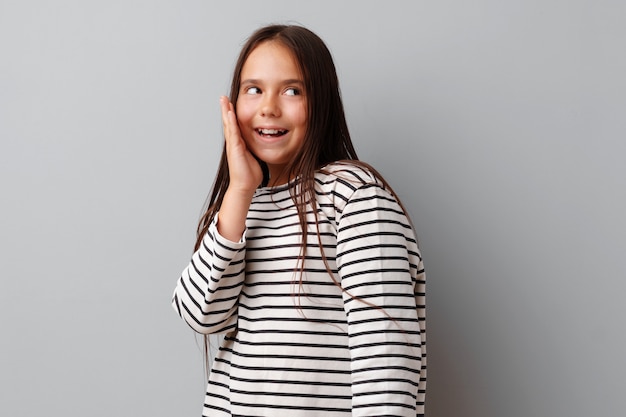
x=500, y=123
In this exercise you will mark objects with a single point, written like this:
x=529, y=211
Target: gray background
x=500, y=123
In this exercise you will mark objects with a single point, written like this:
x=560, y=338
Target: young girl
x=305, y=259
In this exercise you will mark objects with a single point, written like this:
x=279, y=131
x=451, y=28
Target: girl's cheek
x=244, y=109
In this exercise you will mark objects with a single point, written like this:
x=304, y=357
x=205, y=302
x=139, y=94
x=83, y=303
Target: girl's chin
x=272, y=158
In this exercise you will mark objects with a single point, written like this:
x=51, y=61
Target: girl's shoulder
x=355, y=173
x=344, y=178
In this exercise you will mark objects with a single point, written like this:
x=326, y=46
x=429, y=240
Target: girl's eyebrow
x=288, y=81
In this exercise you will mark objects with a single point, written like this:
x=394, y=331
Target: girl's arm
x=383, y=280
x=208, y=289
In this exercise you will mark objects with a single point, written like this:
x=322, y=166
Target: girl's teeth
x=270, y=131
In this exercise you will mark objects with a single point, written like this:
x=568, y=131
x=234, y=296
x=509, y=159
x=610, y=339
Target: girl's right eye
x=253, y=90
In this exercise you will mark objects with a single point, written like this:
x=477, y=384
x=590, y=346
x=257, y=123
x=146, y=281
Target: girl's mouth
x=271, y=133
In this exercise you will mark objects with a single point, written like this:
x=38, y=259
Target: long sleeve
x=207, y=291
x=382, y=277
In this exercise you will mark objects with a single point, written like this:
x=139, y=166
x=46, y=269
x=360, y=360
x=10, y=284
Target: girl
x=305, y=259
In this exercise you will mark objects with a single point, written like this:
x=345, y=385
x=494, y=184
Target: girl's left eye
x=292, y=91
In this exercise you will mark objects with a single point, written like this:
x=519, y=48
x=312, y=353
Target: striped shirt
x=311, y=345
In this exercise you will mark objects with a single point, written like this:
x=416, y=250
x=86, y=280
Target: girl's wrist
x=240, y=194
x=233, y=212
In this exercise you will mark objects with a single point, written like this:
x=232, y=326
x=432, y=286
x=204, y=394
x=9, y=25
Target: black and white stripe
x=350, y=346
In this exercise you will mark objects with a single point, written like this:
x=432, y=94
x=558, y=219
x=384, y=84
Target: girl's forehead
x=271, y=45
x=271, y=56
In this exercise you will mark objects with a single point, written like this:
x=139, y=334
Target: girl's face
x=271, y=107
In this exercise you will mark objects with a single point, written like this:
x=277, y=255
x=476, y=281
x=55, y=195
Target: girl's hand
x=245, y=171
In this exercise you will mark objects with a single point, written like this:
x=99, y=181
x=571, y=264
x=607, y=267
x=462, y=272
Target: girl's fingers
x=224, y=105
x=229, y=121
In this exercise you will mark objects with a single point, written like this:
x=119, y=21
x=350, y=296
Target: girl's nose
x=270, y=107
